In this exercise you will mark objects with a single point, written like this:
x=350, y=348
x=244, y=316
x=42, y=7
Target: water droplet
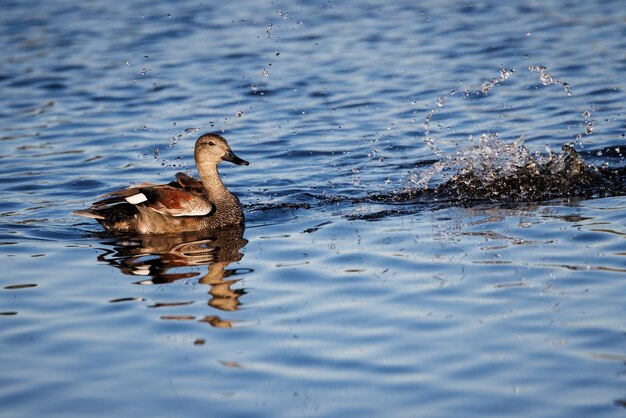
x=545, y=79
x=265, y=73
x=505, y=74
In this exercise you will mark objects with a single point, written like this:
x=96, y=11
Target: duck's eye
x=211, y=143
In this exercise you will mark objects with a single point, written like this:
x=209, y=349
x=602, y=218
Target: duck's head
x=214, y=148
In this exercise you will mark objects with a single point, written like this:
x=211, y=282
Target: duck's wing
x=167, y=199
x=188, y=183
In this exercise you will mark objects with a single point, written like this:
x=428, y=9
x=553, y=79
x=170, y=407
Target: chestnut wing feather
x=176, y=202
x=184, y=197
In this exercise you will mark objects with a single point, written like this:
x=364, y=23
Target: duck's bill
x=231, y=157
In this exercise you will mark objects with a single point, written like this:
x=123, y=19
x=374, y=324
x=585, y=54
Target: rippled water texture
x=435, y=209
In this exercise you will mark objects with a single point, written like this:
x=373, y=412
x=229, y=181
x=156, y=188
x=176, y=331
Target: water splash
x=495, y=170
x=489, y=84
x=490, y=158
x=428, y=139
x=510, y=173
x=487, y=169
x=587, y=125
x=546, y=79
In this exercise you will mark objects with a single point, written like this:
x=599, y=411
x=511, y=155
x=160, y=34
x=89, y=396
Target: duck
x=183, y=205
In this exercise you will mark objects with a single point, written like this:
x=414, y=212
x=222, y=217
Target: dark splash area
x=555, y=177
x=534, y=179
x=492, y=173
x=435, y=209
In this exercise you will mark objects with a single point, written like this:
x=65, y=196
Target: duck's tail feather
x=87, y=213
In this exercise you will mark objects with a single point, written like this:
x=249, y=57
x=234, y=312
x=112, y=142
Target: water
x=435, y=209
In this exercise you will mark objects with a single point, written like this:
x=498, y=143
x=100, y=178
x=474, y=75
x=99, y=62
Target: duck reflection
x=163, y=259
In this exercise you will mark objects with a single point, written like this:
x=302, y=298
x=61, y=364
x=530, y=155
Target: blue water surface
x=327, y=304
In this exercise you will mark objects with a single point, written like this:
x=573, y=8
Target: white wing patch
x=136, y=198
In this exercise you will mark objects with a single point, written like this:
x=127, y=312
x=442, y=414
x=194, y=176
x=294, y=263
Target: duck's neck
x=212, y=181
